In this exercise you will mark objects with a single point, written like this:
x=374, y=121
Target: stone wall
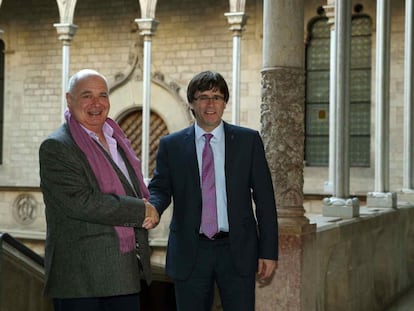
x=364, y=263
x=191, y=36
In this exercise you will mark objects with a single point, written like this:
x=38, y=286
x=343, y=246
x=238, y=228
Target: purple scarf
x=108, y=179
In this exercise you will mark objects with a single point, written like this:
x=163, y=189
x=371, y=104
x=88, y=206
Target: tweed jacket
x=82, y=256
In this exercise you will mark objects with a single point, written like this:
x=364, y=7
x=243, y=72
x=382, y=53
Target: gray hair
x=81, y=75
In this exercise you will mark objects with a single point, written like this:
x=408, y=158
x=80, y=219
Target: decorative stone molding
x=25, y=209
x=147, y=26
x=66, y=32
x=148, y=8
x=330, y=13
x=237, y=5
x=174, y=89
x=134, y=62
x=236, y=20
x=66, y=10
x=282, y=119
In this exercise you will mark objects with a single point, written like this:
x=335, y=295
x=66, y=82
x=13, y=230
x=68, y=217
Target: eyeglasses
x=204, y=99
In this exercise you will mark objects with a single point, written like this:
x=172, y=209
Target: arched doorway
x=131, y=123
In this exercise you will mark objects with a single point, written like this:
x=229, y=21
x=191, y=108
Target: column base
x=343, y=208
x=382, y=199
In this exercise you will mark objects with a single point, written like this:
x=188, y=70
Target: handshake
x=152, y=218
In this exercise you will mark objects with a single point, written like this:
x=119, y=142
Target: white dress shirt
x=217, y=143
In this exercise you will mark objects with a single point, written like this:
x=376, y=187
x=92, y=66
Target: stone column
x=330, y=13
x=342, y=64
x=66, y=31
x=382, y=97
x=236, y=19
x=147, y=25
x=408, y=172
x=282, y=118
x=381, y=197
x=340, y=205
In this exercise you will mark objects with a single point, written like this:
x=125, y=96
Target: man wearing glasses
x=213, y=171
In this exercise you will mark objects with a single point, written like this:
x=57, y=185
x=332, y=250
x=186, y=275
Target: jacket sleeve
x=263, y=196
x=70, y=187
x=160, y=185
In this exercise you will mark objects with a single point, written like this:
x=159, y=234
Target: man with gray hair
x=97, y=212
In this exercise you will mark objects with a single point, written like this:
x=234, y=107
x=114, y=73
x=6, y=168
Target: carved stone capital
x=330, y=14
x=66, y=32
x=147, y=26
x=236, y=20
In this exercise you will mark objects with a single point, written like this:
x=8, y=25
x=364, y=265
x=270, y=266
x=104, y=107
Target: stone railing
x=364, y=263
x=21, y=278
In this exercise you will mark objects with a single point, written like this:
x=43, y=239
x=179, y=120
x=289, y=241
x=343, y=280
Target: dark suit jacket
x=82, y=257
x=247, y=176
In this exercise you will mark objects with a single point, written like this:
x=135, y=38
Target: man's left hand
x=265, y=269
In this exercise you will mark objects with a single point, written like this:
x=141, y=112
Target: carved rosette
x=25, y=209
x=282, y=119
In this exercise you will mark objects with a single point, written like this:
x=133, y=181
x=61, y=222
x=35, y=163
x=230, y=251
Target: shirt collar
x=218, y=132
x=106, y=128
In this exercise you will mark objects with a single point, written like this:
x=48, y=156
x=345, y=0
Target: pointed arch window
x=317, y=92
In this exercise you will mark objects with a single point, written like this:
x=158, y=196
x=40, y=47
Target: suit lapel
x=229, y=139
x=190, y=154
x=131, y=172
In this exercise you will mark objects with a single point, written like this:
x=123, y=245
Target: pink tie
x=208, y=188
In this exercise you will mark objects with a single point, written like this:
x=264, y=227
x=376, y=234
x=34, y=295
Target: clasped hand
x=152, y=217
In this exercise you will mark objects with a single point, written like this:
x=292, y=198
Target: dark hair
x=207, y=80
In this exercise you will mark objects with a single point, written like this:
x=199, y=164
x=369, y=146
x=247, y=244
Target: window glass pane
x=360, y=84
x=358, y=115
x=361, y=25
x=317, y=92
x=318, y=54
x=317, y=119
x=359, y=147
x=317, y=85
x=320, y=28
x=317, y=151
x=361, y=52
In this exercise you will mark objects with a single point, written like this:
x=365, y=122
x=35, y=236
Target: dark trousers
x=114, y=303
x=214, y=266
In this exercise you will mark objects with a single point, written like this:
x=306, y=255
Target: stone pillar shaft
x=408, y=172
x=283, y=93
x=382, y=97
x=343, y=52
x=282, y=118
x=329, y=185
x=236, y=21
x=147, y=27
x=66, y=33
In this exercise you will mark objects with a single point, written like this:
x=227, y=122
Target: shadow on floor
x=405, y=303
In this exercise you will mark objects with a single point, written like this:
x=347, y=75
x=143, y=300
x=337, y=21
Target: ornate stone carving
x=66, y=10
x=282, y=118
x=134, y=64
x=173, y=88
x=148, y=8
x=25, y=209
